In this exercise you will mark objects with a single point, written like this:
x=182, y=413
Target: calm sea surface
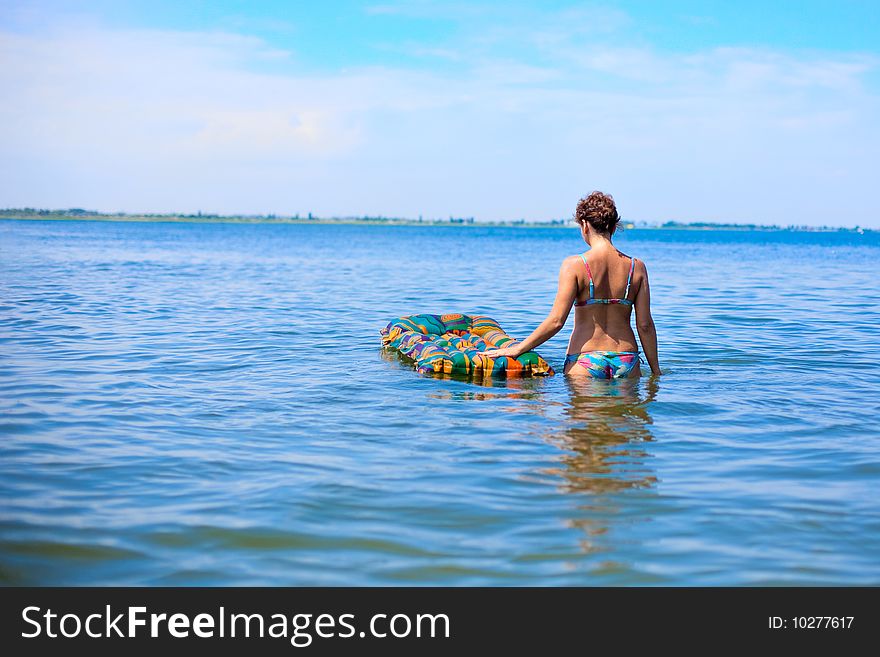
x=209, y=404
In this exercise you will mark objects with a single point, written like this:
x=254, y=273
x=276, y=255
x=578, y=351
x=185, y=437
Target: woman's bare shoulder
x=572, y=262
x=640, y=270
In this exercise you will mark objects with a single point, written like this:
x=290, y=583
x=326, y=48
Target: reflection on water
x=602, y=441
x=607, y=422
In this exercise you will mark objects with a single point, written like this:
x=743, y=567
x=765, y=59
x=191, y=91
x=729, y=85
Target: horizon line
x=85, y=215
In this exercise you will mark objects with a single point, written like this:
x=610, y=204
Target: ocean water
x=209, y=404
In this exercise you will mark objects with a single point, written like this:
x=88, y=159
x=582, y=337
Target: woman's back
x=608, y=284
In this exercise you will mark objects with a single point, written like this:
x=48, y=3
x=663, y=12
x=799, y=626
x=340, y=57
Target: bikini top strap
x=589, y=273
x=632, y=266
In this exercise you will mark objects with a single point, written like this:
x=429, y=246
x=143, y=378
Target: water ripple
x=208, y=404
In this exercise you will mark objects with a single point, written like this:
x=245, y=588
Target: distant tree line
x=79, y=213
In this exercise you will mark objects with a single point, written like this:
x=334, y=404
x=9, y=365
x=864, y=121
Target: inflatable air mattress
x=453, y=344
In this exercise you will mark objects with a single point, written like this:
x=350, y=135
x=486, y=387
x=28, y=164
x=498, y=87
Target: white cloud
x=160, y=120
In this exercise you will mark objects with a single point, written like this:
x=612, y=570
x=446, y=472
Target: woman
x=602, y=344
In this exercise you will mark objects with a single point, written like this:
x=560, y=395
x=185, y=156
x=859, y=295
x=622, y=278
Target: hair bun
x=599, y=210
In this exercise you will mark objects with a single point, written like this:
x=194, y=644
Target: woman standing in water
x=602, y=343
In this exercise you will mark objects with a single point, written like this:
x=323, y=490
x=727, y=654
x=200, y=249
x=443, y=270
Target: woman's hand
x=511, y=352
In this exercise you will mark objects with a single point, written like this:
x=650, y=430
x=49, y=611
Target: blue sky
x=694, y=111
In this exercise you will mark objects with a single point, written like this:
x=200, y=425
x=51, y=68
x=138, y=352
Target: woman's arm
x=565, y=296
x=645, y=323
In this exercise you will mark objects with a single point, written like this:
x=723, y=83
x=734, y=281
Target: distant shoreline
x=83, y=215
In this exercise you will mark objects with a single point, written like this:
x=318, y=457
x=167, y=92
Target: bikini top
x=624, y=301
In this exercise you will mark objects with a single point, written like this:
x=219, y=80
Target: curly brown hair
x=599, y=209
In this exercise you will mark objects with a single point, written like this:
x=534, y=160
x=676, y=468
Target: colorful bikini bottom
x=606, y=364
